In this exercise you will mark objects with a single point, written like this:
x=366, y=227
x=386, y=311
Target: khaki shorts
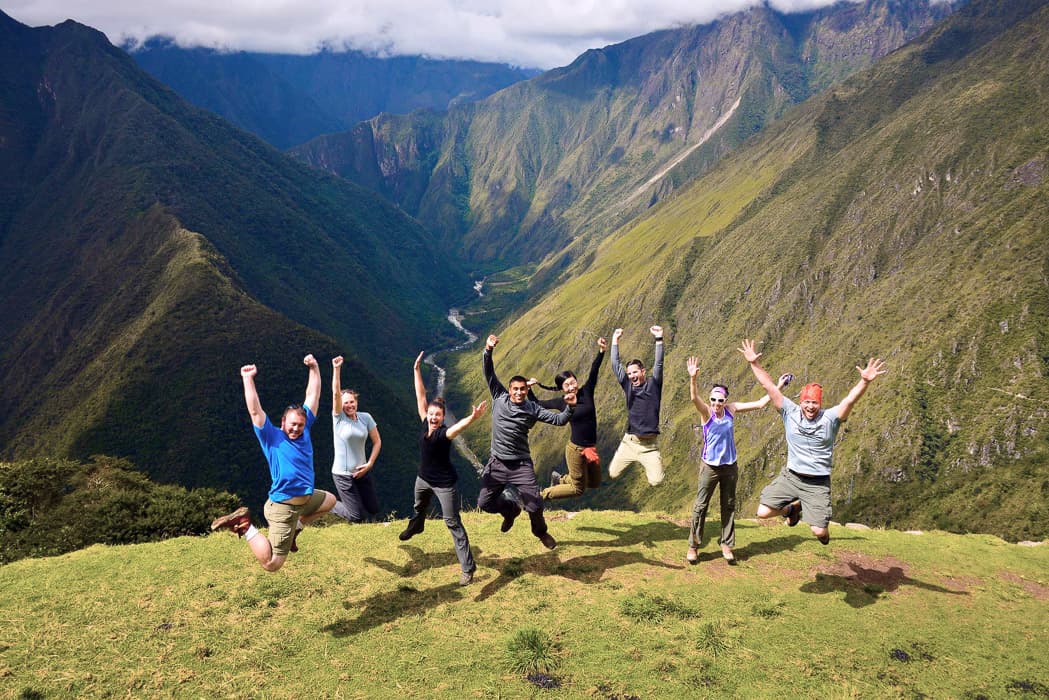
x=812, y=491
x=282, y=518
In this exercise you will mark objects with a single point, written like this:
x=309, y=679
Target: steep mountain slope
x=288, y=99
x=904, y=215
x=577, y=151
x=149, y=249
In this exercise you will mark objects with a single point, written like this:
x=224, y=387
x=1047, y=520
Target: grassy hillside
x=614, y=612
x=902, y=216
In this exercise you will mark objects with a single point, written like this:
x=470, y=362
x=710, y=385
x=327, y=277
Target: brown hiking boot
x=238, y=521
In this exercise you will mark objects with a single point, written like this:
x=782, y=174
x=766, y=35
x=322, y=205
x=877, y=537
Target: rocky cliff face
x=570, y=154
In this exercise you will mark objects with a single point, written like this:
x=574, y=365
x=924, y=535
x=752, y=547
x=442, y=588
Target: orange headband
x=812, y=392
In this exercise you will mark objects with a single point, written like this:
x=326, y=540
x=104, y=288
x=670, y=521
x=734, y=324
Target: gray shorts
x=812, y=491
x=282, y=518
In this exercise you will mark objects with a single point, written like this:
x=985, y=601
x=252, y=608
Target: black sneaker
x=415, y=526
x=794, y=514
x=548, y=541
x=555, y=478
x=508, y=520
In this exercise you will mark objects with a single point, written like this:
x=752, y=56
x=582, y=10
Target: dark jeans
x=520, y=473
x=356, y=497
x=725, y=477
x=448, y=498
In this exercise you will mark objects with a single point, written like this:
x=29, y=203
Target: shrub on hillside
x=52, y=506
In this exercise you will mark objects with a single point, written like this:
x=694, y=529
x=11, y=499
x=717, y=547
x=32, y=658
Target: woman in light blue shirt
x=718, y=467
x=351, y=470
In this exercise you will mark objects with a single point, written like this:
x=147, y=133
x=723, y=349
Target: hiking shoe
x=728, y=556
x=825, y=540
x=555, y=478
x=466, y=578
x=238, y=521
x=548, y=540
x=508, y=520
x=413, y=528
x=794, y=514
x=692, y=556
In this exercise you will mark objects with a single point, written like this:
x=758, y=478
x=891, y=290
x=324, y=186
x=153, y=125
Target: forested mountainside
x=288, y=99
x=902, y=215
x=150, y=249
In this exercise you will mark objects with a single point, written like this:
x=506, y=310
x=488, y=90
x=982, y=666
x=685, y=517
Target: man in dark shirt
x=513, y=415
x=640, y=444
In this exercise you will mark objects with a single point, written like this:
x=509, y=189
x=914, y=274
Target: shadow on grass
x=772, y=546
x=647, y=534
x=866, y=585
x=585, y=569
x=386, y=607
x=418, y=561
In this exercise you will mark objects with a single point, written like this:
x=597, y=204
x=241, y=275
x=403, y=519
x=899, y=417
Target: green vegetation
x=50, y=507
x=847, y=230
x=356, y=614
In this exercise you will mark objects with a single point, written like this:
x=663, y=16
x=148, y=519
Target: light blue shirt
x=350, y=437
x=719, y=440
x=810, y=444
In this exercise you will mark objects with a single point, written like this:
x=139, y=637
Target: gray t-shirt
x=512, y=421
x=350, y=437
x=810, y=444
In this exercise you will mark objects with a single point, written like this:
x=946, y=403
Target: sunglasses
x=716, y=399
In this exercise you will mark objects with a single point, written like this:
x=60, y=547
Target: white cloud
x=534, y=33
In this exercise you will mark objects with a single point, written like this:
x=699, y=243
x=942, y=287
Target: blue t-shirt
x=291, y=461
x=350, y=438
x=810, y=444
x=719, y=441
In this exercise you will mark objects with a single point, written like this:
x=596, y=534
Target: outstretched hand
x=336, y=362
x=310, y=361
x=248, y=371
x=419, y=359
x=749, y=353
x=616, y=335
x=656, y=331
x=479, y=409
x=602, y=344
x=692, y=364
x=874, y=369
x=491, y=342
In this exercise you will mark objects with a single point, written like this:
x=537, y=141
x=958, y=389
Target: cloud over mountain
x=539, y=34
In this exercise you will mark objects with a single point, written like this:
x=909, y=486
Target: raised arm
x=313, y=384
x=494, y=386
x=336, y=385
x=744, y=406
x=591, y=381
x=251, y=396
x=420, y=388
x=464, y=423
x=657, y=366
x=752, y=356
x=874, y=369
x=692, y=364
x=617, y=366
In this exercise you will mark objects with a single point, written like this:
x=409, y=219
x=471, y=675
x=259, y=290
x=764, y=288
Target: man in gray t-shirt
x=513, y=415
x=802, y=489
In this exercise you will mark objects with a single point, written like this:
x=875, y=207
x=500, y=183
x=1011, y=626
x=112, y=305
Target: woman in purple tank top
x=718, y=467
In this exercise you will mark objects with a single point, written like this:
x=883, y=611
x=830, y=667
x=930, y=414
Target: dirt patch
x=1035, y=590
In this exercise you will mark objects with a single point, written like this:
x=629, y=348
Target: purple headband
x=719, y=390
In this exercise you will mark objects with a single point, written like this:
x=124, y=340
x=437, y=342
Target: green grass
x=356, y=614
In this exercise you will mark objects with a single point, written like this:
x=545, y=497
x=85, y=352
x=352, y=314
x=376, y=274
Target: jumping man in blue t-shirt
x=292, y=502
